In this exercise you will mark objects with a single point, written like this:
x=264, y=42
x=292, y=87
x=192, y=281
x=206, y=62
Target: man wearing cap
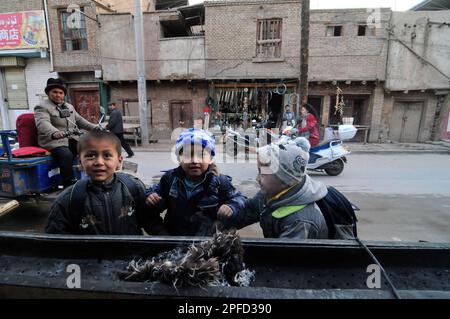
x=115, y=125
x=285, y=206
x=54, y=116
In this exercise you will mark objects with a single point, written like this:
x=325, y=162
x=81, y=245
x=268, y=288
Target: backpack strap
x=127, y=180
x=326, y=212
x=78, y=197
x=79, y=192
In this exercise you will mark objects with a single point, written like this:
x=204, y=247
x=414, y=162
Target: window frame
x=61, y=32
x=262, y=44
x=334, y=30
x=369, y=31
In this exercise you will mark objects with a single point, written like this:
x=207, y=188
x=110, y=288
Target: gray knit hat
x=287, y=159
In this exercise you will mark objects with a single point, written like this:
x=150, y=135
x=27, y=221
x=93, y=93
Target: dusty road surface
x=402, y=197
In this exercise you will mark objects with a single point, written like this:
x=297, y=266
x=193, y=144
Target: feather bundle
x=217, y=261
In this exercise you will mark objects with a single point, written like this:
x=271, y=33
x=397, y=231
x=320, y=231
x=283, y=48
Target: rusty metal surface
x=35, y=265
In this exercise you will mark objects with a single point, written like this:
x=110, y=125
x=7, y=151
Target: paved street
x=402, y=197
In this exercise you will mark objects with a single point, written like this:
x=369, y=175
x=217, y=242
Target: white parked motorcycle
x=330, y=155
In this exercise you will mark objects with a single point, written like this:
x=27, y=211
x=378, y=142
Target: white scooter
x=330, y=155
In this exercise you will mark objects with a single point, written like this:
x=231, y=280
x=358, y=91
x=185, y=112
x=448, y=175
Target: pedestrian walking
x=115, y=125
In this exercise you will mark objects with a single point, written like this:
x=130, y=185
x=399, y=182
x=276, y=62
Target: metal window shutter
x=16, y=90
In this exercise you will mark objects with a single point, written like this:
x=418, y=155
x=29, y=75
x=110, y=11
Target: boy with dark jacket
x=194, y=193
x=107, y=203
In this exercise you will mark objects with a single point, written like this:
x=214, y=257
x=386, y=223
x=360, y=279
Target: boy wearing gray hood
x=285, y=206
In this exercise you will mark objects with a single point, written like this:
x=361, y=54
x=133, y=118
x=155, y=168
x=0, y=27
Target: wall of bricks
x=376, y=105
x=161, y=94
x=74, y=61
x=443, y=123
x=166, y=58
x=21, y=5
x=348, y=57
x=231, y=39
x=228, y=52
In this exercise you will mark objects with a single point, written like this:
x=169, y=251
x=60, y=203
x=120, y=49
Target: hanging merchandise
x=340, y=104
x=281, y=89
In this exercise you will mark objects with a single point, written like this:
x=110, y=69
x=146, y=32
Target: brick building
x=348, y=50
x=174, y=46
x=417, y=86
x=242, y=58
x=252, y=50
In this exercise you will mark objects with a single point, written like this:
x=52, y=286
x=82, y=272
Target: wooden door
x=87, y=103
x=182, y=114
x=411, y=128
x=405, y=123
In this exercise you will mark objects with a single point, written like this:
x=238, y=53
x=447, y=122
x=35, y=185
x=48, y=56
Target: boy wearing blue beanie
x=194, y=193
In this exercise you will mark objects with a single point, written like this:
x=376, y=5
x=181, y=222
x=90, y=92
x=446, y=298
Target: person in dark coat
x=108, y=205
x=115, y=125
x=194, y=193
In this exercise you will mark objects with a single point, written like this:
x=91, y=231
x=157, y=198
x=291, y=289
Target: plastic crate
x=31, y=175
x=26, y=176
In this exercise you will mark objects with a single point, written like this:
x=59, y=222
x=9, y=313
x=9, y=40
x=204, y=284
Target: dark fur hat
x=55, y=83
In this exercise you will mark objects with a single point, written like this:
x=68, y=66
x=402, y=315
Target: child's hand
x=153, y=199
x=224, y=212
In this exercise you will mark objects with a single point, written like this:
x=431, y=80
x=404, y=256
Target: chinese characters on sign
x=23, y=30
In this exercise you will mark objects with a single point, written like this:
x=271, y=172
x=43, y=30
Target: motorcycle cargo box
x=26, y=176
x=346, y=132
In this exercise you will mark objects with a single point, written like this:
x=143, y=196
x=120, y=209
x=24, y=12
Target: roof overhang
x=25, y=53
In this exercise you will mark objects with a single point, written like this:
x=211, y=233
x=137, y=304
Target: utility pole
x=140, y=66
x=304, y=54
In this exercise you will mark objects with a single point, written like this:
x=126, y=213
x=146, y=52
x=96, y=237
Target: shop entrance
x=275, y=110
x=244, y=105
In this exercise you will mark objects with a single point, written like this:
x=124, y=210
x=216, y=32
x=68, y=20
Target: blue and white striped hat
x=195, y=136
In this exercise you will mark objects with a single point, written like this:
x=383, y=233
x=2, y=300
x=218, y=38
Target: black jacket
x=115, y=123
x=109, y=209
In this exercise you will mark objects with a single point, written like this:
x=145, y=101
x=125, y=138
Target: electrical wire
x=372, y=256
